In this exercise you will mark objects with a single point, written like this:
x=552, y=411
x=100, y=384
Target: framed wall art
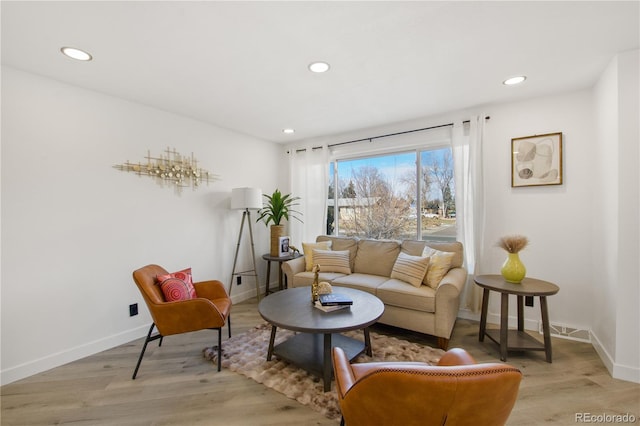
x=536, y=160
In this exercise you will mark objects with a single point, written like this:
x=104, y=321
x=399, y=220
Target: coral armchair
x=210, y=310
x=455, y=392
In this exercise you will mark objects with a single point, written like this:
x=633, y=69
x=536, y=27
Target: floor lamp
x=246, y=199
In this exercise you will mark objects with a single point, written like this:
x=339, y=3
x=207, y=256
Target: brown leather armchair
x=210, y=310
x=455, y=392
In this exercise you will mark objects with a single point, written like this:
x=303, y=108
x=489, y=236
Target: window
x=402, y=195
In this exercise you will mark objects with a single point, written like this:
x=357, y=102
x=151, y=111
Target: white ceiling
x=243, y=65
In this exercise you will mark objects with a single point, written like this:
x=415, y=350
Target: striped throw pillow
x=307, y=249
x=332, y=261
x=410, y=269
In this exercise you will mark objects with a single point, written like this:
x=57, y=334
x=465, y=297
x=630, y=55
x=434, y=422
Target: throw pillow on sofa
x=307, y=249
x=439, y=264
x=410, y=269
x=332, y=261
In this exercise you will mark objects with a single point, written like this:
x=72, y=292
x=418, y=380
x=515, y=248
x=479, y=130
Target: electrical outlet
x=239, y=280
x=528, y=300
x=133, y=310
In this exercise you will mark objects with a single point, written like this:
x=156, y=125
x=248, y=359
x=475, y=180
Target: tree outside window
x=396, y=196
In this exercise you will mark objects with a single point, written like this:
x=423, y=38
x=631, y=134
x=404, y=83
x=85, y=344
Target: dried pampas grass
x=513, y=243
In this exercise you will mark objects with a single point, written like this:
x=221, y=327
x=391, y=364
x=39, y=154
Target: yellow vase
x=513, y=269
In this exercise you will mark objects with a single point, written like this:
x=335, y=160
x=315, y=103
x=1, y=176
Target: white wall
x=556, y=219
x=616, y=321
x=74, y=228
x=627, y=361
x=605, y=226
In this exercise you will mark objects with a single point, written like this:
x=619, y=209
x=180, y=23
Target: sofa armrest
x=292, y=267
x=452, y=283
x=448, y=296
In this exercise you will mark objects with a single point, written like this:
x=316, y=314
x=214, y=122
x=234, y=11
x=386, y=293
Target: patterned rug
x=247, y=354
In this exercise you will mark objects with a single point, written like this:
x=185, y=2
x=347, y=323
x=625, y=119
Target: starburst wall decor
x=171, y=168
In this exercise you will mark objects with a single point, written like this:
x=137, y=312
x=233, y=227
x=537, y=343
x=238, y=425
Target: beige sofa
x=419, y=308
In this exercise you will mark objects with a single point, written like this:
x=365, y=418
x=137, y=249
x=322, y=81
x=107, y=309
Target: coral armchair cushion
x=457, y=391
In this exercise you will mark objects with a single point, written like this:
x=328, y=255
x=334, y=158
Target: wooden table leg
x=520, y=313
x=266, y=284
x=367, y=342
x=272, y=339
x=280, y=285
x=327, y=366
x=483, y=315
x=504, y=326
x=545, y=327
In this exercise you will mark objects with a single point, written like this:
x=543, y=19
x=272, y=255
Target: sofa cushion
x=364, y=282
x=411, y=269
x=342, y=243
x=332, y=261
x=376, y=257
x=439, y=264
x=416, y=247
x=303, y=279
x=403, y=295
x=307, y=249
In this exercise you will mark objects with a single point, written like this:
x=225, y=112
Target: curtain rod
x=370, y=139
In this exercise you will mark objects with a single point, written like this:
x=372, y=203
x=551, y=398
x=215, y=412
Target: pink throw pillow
x=183, y=275
x=175, y=289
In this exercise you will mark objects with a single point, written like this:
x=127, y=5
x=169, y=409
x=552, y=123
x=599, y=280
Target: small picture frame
x=283, y=246
x=536, y=160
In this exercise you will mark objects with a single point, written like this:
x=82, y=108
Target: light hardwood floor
x=176, y=386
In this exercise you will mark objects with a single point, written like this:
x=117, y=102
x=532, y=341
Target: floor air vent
x=566, y=332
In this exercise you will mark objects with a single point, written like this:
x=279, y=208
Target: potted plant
x=277, y=207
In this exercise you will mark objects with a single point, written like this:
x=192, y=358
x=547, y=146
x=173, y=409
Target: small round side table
x=517, y=340
x=279, y=259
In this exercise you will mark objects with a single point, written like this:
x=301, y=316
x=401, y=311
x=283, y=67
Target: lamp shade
x=246, y=198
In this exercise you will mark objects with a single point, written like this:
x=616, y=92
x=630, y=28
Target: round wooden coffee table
x=319, y=331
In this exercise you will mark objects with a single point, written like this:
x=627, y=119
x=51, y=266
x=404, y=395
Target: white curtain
x=467, y=157
x=309, y=181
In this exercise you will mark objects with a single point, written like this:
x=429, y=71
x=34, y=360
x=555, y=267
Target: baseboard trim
x=617, y=371
x=50, y=361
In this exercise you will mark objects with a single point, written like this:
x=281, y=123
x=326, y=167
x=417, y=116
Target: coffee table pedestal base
x=312, y=352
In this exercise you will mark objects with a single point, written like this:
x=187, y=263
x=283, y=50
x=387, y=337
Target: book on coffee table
x=335, y=299
x=330, y=308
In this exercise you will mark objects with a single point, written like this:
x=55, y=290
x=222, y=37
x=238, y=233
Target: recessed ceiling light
x=514, y=80
x=74, y=53
x=288, y=131
x=319, y=67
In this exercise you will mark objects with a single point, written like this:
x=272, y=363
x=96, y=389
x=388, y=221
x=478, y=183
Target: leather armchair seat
x=455, y=392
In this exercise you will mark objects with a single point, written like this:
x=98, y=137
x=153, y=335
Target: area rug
x=247, y=354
